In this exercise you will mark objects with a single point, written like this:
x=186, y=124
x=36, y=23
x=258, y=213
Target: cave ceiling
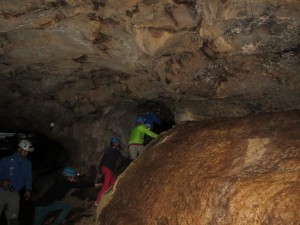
x=72, y=59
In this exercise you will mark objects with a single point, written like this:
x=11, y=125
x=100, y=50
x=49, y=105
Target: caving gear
x=139, y=120
x=136, y=140
x=26, y=145
x=17, y=170
x=116, y=140
x=111, y=161
x=69, y=172
x=52, y=200
x=151, y=119
x=137, y=134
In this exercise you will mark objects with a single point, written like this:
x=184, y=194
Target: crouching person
x=51, y=200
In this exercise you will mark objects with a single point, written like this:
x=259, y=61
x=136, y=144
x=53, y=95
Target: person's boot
x=13, y=222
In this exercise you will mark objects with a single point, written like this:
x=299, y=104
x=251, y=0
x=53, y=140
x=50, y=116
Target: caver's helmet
x=26, y=145
x=139, y=120
x=115, y=140
x=69, y=172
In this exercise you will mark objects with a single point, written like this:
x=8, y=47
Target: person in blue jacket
x=151, y=119
x=15, y=174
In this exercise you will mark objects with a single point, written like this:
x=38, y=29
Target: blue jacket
x=17, y=170
x=151, y=118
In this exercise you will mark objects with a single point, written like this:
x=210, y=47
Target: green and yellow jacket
x=138, y=133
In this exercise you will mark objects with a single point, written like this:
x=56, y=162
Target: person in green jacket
x=136, y=139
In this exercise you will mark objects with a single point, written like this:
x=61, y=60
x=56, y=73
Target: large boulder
x=233, y=171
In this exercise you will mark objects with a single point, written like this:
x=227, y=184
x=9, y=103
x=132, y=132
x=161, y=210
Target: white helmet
x=26, y=145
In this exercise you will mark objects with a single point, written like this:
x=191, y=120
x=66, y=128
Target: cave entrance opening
x=48, y=158
x=162, y=112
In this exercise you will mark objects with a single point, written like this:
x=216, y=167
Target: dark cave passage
x=48, y=157
x=161, y=111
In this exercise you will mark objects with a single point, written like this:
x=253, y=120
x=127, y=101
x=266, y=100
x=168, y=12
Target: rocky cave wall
x=88, y=65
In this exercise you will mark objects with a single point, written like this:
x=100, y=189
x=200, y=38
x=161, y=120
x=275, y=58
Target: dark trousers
x=42, y=211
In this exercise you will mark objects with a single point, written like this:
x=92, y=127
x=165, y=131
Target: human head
x=25, y=147
x=139, y=120
x=115, y=141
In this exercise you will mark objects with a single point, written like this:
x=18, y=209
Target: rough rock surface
x=237, y=171
x=77, y=62
x=90, y=66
